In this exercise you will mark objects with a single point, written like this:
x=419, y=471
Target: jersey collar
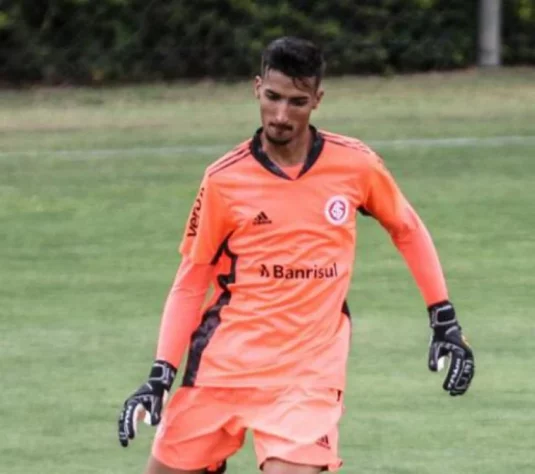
x=260, y=155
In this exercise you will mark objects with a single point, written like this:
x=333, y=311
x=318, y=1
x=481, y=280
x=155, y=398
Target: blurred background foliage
x=88, y=42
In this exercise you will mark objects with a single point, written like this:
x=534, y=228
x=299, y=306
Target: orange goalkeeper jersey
x=282, y=251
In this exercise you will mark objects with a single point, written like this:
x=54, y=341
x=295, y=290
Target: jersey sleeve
x=182, y=311
x=385, y=201
x=207, y=226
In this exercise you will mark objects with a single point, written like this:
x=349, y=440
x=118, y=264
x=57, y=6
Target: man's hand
x=447, y=340
x=148, y=398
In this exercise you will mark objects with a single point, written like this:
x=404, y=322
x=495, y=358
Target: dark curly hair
x=294, y=57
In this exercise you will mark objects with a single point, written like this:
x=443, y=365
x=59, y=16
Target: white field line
x=80, y=153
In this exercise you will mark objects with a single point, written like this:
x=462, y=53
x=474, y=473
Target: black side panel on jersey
x=345, y=310
x=364, y=211
x=211, y=318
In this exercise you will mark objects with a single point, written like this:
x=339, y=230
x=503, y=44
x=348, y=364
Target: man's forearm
x=418, y=250
x=182, y=311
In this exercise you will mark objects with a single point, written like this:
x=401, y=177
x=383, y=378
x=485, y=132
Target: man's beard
x=274, y=140
x=278, y=141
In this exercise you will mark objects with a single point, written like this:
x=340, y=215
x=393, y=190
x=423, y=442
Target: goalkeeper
x=273, y=229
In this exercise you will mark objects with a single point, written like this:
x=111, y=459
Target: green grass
x=88, y=251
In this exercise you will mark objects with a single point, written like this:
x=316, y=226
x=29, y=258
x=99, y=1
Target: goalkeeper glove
x=447, y=340
x=148, y=398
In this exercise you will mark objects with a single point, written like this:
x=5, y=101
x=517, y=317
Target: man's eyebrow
x=292, y=97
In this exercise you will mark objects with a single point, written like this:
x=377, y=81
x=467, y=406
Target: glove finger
x=465, y=379
x=139, y=413
x=432, y=359
x=123, y=435
x=127, y=421
x=451, y=382
x=131, y=412
x=436, y=352
x=157, y=407
x=156, y=412
x=467, y=374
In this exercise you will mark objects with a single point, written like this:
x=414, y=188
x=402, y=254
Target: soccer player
x=273, y=229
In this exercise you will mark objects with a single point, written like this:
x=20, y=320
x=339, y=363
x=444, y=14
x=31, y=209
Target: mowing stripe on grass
x=445, y=142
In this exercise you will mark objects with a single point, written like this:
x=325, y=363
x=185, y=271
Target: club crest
x=337, y=210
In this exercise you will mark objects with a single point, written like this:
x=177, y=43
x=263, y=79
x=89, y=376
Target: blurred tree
x=87, y=41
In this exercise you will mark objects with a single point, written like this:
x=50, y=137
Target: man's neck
x=293, y=153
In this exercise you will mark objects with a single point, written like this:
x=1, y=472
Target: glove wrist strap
x=162, y=372
x=442, y=315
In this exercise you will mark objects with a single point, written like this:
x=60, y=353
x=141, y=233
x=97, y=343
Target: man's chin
x=277, y=141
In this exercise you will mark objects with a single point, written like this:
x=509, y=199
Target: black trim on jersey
x=364, y=211
x=345, y=310
x=315, y=151
x=238, y=156
x=211, y=317
x=260, y=155
x=222, y=248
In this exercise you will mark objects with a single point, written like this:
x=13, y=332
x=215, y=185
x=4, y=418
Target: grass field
x=94, y=190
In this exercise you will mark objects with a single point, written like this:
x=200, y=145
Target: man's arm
x=388, y=205
x=414, y=243
x=206, y=228
x=384, y=201
x=182, y=311
x=181, y=314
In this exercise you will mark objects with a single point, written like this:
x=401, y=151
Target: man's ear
x=319, y=96
x=257, y=85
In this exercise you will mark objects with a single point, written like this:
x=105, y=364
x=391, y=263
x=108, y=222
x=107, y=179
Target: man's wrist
x=163, y=373
x=442, y=316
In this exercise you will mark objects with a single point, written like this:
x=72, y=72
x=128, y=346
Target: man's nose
x=281, y=115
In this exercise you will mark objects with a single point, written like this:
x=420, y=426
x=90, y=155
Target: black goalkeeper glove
x=149, y=399
x=447, y=340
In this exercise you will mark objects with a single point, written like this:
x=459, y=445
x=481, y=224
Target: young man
x=273, y=228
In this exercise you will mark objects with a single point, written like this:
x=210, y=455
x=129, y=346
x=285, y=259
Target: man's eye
x=299, y=102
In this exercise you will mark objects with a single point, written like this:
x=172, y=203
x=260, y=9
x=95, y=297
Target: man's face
x=285, y=105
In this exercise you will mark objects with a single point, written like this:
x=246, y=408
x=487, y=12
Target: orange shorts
x=203, y=426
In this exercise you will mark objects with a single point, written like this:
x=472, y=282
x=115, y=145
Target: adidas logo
x=261, y=218
x=324, y=442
